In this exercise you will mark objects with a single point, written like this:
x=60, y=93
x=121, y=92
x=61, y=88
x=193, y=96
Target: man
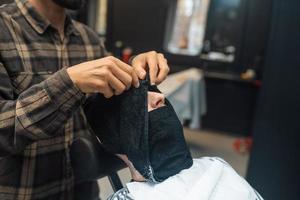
x=48, y=63
x=207, y=178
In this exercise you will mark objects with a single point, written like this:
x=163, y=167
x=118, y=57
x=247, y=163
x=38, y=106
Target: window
x=101, y=17
x=188, y=31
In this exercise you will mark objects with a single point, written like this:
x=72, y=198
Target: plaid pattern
x=40, y=108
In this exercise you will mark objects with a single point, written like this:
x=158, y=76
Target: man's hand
x=158, y=66
x=108, y=75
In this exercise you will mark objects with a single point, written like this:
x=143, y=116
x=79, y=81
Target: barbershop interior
x=233, y=84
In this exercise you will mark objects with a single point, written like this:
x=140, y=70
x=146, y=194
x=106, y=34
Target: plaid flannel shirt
x=40, y=108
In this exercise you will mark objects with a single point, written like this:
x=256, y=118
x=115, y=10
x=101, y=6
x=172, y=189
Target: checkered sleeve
x=37, y=113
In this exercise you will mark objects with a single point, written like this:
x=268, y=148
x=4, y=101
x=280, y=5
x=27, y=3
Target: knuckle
x=110, y=58
x=161, y=55
x=153, y=52
x=110, y=63
x=163, y=70
x=167, y=69
x=131, y=70
x=100, y=85
x=129, y=80
x=137, y=69
x=122, y=88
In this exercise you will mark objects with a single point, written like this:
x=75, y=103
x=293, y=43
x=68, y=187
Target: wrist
x=72, y=75
x=74, y=78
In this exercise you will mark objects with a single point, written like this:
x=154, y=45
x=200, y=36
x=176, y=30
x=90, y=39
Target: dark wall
x=230, y=106
x=255, y=35
x=274, y=164
x=137, y=23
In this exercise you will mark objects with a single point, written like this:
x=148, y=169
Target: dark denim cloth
x=153, y=141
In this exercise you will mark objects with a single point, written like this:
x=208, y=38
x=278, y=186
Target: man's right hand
x=109, y=76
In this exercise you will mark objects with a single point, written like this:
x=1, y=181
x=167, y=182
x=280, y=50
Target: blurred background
x=234, y=77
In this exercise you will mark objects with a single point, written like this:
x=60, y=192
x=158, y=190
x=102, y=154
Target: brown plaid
x=40, y=108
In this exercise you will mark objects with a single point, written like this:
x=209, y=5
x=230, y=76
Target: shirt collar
x=70, y=27
x=40, y=23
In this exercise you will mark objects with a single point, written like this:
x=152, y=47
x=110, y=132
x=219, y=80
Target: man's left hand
x=157, y=64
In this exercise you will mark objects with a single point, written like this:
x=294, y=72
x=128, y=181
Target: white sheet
x=207, y=179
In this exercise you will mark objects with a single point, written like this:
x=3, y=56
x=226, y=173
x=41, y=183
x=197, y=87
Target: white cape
x=207, y=179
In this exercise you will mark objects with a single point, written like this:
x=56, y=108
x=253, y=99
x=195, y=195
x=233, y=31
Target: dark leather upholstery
x=94, y=158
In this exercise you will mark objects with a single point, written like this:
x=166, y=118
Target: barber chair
x=95, y=161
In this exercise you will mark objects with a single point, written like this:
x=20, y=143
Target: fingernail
x=152, y=84
x=137, y=85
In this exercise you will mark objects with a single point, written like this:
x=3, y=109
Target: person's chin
x=136, y=176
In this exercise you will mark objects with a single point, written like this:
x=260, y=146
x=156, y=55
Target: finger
x=139, y=69
x=126, y=68
x=135, y=80
x=103, y=87
x=121, y=75
x=108, y=92
x=163, y=69
x=117, y=86
x=153, y=68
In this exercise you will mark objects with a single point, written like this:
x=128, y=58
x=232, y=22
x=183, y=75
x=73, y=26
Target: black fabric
x=168, y=151
x=121, y=118
x=90, y=161
x=153, y=141
x=274, y=162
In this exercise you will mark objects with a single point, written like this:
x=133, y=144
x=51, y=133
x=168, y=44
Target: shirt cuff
x=63, y=92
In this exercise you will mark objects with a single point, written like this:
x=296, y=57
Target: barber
x=48, y=62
